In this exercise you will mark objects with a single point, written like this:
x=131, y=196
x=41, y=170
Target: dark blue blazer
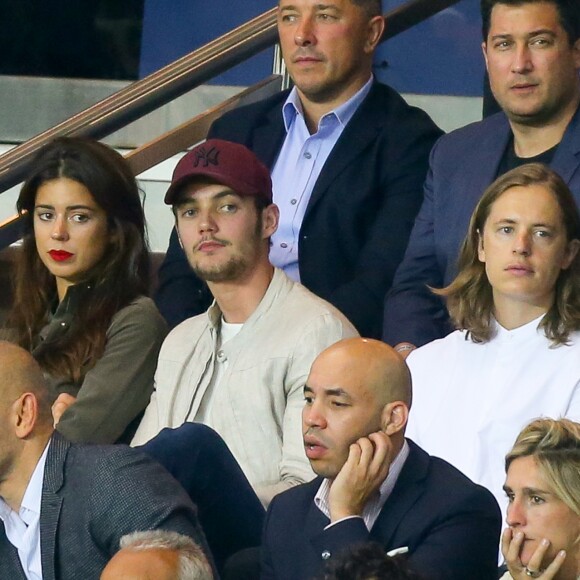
x=462, y=165
x=359, y=216
x=450, y=525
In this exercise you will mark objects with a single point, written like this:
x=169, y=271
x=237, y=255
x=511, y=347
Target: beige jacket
x=258, y=404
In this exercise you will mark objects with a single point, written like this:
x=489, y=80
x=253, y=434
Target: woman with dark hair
x=543, y=489
x=516, y=305
x=80, y=288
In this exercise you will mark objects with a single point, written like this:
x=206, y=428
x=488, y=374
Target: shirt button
x=325, y=555
x=293, y=201
x=307, y=155
x=283, y=245
x=221, y=355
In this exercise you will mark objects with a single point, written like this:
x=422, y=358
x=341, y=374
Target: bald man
x=373, y=484
x=64, y=507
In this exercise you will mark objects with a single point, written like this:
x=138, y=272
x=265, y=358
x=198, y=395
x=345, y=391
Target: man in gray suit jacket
x=64, y=507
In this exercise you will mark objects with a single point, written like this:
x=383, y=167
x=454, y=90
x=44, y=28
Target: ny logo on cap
x=205, y=158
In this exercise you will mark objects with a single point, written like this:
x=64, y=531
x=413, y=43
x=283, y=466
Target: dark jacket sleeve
x=412, y=312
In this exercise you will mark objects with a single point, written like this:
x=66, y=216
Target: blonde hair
x=555, y=446
x=470, y=295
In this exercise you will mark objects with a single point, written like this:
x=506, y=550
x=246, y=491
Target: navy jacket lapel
x=269, y=135
x=51, y=503
x=567, y=158
x=356, y=136
x=489, y=154
x=405, y=494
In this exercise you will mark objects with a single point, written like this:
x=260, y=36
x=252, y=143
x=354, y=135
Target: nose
x=312, y=416
x=207, y=221
x=515, y=516
x=522, y=62
x=523, y=244
x=304, y=33
x=60, y=229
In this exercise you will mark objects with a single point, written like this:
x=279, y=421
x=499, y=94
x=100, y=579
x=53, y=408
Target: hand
x=511, y=546
x=405, y=349
x=361, y=476
x=62, y=403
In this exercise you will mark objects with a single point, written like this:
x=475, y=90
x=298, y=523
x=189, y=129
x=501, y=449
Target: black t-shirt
x=510, y=160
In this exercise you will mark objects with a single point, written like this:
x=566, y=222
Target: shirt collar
x=343, y=113
x=321, y=497
x=33, y=495
x=31, y=501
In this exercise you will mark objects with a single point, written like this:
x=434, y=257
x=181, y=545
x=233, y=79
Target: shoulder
x=142, y=313
x=249, y=113
x=432, y=351
x=386, y=103
x=456, y=141
x=307, y=309
x=460, y=493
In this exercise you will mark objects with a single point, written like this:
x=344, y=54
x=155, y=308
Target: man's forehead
x=205, y=190
x=507, y=18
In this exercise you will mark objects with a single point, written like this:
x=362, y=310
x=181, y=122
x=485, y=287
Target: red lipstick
x=60, y=255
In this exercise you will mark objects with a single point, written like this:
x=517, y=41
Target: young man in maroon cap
x=241, y=366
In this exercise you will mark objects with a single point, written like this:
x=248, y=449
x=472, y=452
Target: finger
x=506, y=539
x=367, y=452
x=383, y=449
x=354, y=453
x=512, y=556
x=551, y=571
x=535, y=562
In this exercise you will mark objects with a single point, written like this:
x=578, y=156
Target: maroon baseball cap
x=230, y=164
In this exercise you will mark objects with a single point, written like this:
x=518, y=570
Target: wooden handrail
x=170, y=82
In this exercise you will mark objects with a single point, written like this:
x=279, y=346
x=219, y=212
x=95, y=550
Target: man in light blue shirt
x=348, y=159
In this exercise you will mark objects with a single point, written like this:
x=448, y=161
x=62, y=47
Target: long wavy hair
x=470, y=295
x=555, y=446
x=120, y=276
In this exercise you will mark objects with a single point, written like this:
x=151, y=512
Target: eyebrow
x=68, y=207
x=529, y=490
x=528, y=35
x=217, y=196
x=317, y=7
x=536, y=225
x=338, y=392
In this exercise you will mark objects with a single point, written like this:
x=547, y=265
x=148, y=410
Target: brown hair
x=121, y=275
x=555, y=446
x=470, y=297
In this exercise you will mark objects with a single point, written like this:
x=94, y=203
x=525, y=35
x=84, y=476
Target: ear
x=375, y=29
x=480, y=248
x=394, y=417
x=24, y=415
x=576, y=53
x=270, y=219
x=178, y=236
x=484, y=50
x=571, y=252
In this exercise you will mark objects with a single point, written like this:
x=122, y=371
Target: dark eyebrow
x=68, y=207
x=337, y=393
x=307, y=389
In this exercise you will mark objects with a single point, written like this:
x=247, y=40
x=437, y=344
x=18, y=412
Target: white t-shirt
x=471, y=400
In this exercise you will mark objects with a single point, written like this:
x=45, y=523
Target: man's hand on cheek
x=366, y=468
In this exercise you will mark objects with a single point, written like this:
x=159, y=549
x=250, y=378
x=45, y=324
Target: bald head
x=367, y=362
x=19, y=374
x=355, y=388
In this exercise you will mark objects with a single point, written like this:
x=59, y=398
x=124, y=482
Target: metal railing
x=172, y=81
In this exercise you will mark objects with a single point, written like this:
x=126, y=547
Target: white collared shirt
x=298, y=167
x=373, y=508
x=23, y=528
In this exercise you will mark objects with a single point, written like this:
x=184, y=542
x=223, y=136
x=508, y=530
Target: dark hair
x=470, y=296
x=371, y=7
x=368, y=562
x=568, y=11
x=119, y=277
